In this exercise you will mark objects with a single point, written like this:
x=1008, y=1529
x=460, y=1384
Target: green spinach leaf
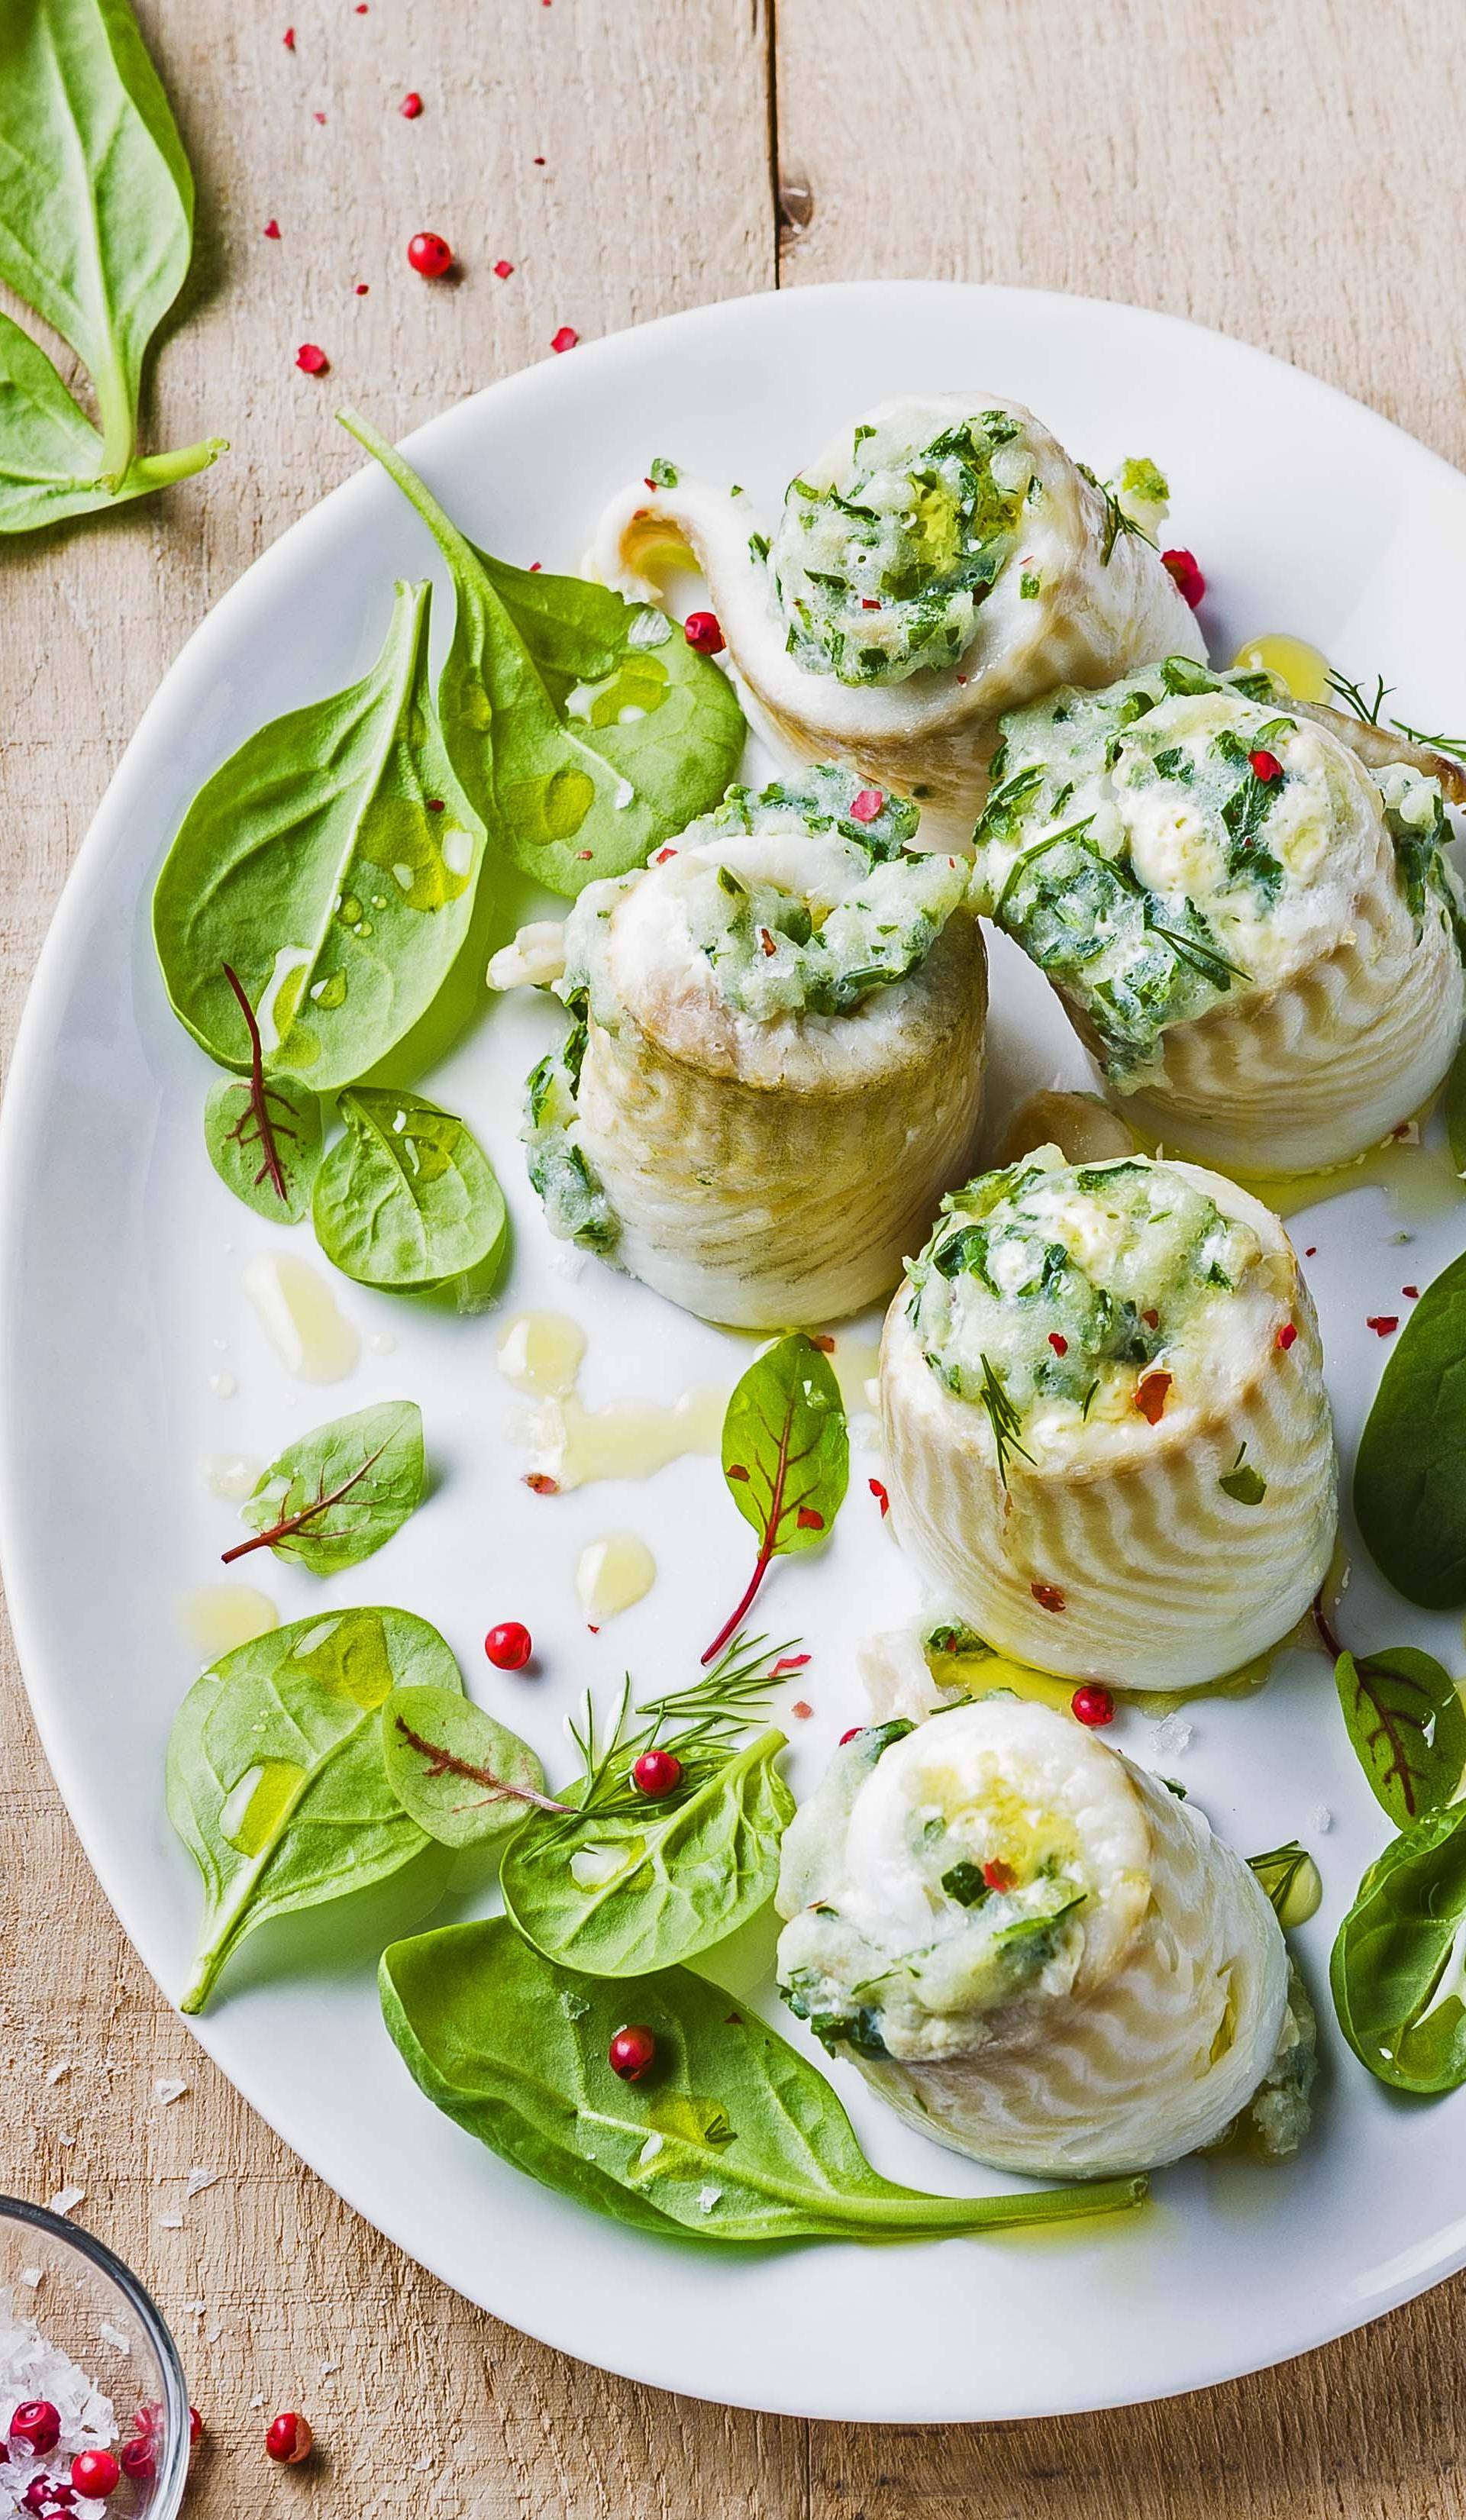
x=786, y=1456
x=337, y=1493
x=584, y=732
x=276, y=1783
x=263, y=1139
x=332, y=863
x=96, y=233
x=642, y=1883
x=1410, y=1474
x=1398, y=1965
x=733, y=2135
x=406, y=1198
x=1407, y=1725
x=1456, y=1110
x=463, y=1778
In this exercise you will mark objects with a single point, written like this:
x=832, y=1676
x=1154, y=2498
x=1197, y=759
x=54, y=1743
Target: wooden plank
x=653, y=195
x=1276, y=171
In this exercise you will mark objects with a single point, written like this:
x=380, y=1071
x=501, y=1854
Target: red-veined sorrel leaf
x=786, y=1456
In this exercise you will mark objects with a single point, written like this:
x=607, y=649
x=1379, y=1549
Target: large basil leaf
x=337, y=1495
x=583, y=730
x=733, y=2135
x=648, y=1882
x=276, y=1783
x=96, y=232
x=1410, y=1474
x=786, y=1456
x=406, y=1198
x=464, y=1778
x=1398, y=1965
x=1407, y=1725
x=332, y=863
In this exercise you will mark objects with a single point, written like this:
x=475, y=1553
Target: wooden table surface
x=1287, y=172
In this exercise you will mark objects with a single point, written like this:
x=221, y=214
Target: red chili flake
x=1266, y=766
x=853, y=1735
x=882, y=1498
x=823, y=1342
x=735, y=2018
x=566, y=337
x=1188, y=577
x=503, y=270
x=311, y=359
x=1384, y=1325
x=1150, y=1396
x=541, y=1483
x=1311, y=1252
x=1412, y=1291
x=787, y=1663
x=289, y=39
x=435, y=804
x=319, y=117
x=663, y=855
x=870, y=603
x=998, y=1876
x=1286, y=1335
x=766, y=942
x=1058, y=1342
x=1047, y=1596
x=866, y=806
x=362, y=286
x=535, y=564
x=809, y=1520
x=1092, y=1704
x=735, y=1471
x=584, y=853
x=1150, y=1320
x=272, y=227
x=803, y=1709
x=411, y=106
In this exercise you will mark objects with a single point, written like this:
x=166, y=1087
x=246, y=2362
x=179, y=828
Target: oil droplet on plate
x=223, y=1385
x=1304, y=670
x=230, y=1475
x=1302, y=1897
x=297, y=1312
x=217, y=1617
x=542, y=1353
x=612, y=1573
x=258, y=1803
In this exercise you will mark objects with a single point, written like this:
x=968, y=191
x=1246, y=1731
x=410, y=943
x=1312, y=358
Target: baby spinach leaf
x=276, y=1784
x=1398, y=1965
x=337, y=1493
x=583, y=730
x=406, y=1198
x=1410, y=1474
x=786, y=1456
x=645, y=1882
x=733, y=2135
x=263, y=1139
x=96, y=234
x=461, y=1776
x=332, y=863
x=1456, y=1110
x=1407, y=1725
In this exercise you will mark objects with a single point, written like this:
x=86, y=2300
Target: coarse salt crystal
x=708, y=2197
x=1324, y=1820
x=168, y=2089
x=56, y=2073
x=214, y=2334
x=198, y=2180
x=1172, y=1736
x=170, y=2222
x=32, y=2275
x=257, y=2401
x=31, y=2366
x=65, y=2200
x=114, y=2337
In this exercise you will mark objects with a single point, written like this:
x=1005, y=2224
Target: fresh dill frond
x=1351, y=695
x=1453, y=744
x=702, y=1725
x=1003, y=1418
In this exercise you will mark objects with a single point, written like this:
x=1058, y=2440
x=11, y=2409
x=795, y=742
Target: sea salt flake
x=32, y=2275
x=567, y=1263
x=198, y=2180
x=1172, y=1736
x=58, y=2073
x=65, y=2200
x=195, y=2308
x=170, y=2222
x=257, y=2401
x=214, y=2333
x=114, y=2337
x=1322, y=1818
x=168, y=2089
x=708, y=2197
x=31, y=2366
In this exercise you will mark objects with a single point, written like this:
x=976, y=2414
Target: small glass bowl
x=93, y=2309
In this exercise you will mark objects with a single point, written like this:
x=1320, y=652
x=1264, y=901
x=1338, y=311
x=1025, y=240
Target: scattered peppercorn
x=429, y=254
x=1188, y=577
x=1265, y=767
x=632, y=2053
x=411, y=106
x=704, y=632
x=37, y=2423
x=509, y=1646
x=272, y=227
x=289, y=2440
x=1384, y=1325
x=566, y=337
x=1092, y=1704
x=656, y=1773
x=96, y=2473
x=311, y=360
x=503, y=270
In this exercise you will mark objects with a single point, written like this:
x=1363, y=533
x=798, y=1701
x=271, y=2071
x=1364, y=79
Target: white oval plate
x=120, y=1259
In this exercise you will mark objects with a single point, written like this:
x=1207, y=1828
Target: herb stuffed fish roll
x=1034, y=1951
x=1108, y=1442
x=944, y=560
x=1255, y=934
x=775, y=1063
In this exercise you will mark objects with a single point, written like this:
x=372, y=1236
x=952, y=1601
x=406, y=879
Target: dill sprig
x=1454, y=745
x=1003, y=1418
x=1369, y=710
x=702, y=1725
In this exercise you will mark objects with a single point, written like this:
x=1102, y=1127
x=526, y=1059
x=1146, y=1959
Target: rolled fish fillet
x=775, y=1068
x=1034, y=1951
x=1257, y=936
x=1108, y=1441
x=943, y=561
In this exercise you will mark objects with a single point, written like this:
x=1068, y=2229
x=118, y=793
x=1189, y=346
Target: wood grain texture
x=1287, y=173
